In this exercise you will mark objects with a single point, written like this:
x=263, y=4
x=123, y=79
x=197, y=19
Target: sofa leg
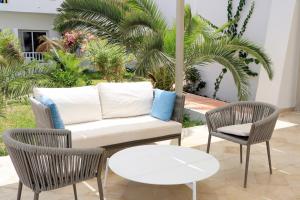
x=179, y=140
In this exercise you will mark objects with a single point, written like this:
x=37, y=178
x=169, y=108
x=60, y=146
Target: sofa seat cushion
x=238, y=129
x=114, y=131
x=125, y=99
x=75, y=105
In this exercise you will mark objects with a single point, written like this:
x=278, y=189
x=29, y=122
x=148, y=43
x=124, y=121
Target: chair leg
x=269, y=156
x=247, y=165
x=36, y=196
x=179, y=140
x=208, y=143
x=241, y=153
x=75, y=191
x=20, y=190
x=100, y=188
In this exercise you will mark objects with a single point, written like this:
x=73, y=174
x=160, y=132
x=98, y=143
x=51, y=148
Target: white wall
x=30, y=21
x=283, y=46
x=215, y=11
x=31, y=6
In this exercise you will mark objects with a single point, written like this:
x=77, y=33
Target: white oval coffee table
x=163, y=165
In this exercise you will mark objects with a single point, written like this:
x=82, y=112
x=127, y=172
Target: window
x=31, y=40
x=3, y=1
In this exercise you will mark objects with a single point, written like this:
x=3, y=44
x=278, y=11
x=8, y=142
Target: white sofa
x=109, y=115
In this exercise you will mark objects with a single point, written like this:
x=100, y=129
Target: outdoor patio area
x=226, y=184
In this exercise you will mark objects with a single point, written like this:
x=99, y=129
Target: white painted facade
x=275, y=26
x=32, y=17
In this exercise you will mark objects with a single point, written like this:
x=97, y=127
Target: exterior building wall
x=28, y=21
x=31, y=6
x=216, y=12
x=283, y=45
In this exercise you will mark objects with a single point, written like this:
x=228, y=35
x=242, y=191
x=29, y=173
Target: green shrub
x=188, y=122
x=66, y=70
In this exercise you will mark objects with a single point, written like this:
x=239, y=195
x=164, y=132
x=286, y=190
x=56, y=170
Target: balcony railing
x=29, y=56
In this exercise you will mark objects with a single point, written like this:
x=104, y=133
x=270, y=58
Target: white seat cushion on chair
x=125, y=99
x=120, y=130
x=239, y=129
x=75, y=105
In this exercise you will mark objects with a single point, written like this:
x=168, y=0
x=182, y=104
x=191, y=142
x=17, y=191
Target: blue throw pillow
x=57, y=121
x=163, y=104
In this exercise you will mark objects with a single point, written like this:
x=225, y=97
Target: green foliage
x=17, y=116
x=17, y=77
x=188, y=122
x=10, y=49
x=140, y=27
x=193, y=80
x=65, y=69
x=108, y=59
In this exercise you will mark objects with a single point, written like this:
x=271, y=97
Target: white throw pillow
x=75, y=105
x=125, y=99
x=239, y=129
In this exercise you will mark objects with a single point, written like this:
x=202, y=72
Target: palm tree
x=16, y=76
x=47, y=44
x=140, y=26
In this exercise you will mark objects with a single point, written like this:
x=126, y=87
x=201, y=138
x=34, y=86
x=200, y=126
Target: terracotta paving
x=201, y=104
x=284, y=184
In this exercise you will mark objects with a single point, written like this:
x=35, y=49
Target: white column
x=179, y=47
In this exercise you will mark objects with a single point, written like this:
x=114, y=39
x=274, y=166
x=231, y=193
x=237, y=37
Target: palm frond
x=100, y=17
x=217, y=51
x=150, y=9
x=48, y=44
x=254, y=50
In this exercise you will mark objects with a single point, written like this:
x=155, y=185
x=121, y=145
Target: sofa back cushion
x=75, y=105
x=125, y=99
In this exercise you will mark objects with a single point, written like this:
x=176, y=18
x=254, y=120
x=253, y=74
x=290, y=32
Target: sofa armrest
x=179, y=109
x=42, y=114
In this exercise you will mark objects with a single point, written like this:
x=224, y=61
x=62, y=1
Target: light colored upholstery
x=115, y=131
x=125, y=99
x=75, y=105
x=238, y=129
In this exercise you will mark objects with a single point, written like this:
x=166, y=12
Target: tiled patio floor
x=284, y=184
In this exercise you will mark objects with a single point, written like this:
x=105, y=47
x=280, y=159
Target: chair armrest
x=262, y=130
x=42, y=114
x=179, y=109
x=219, y=117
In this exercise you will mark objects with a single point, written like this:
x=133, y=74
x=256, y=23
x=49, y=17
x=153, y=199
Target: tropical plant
x=47, y=44
x=194, y=83
x=231, y=28
x=140, y=27
x=17, y=77
x=65, y=69
x=108, y=59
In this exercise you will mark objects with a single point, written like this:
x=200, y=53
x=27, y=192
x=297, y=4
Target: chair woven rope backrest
x=44, y=161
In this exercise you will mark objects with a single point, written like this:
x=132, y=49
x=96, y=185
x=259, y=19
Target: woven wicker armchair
x=262, y=116
x=44, y=160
